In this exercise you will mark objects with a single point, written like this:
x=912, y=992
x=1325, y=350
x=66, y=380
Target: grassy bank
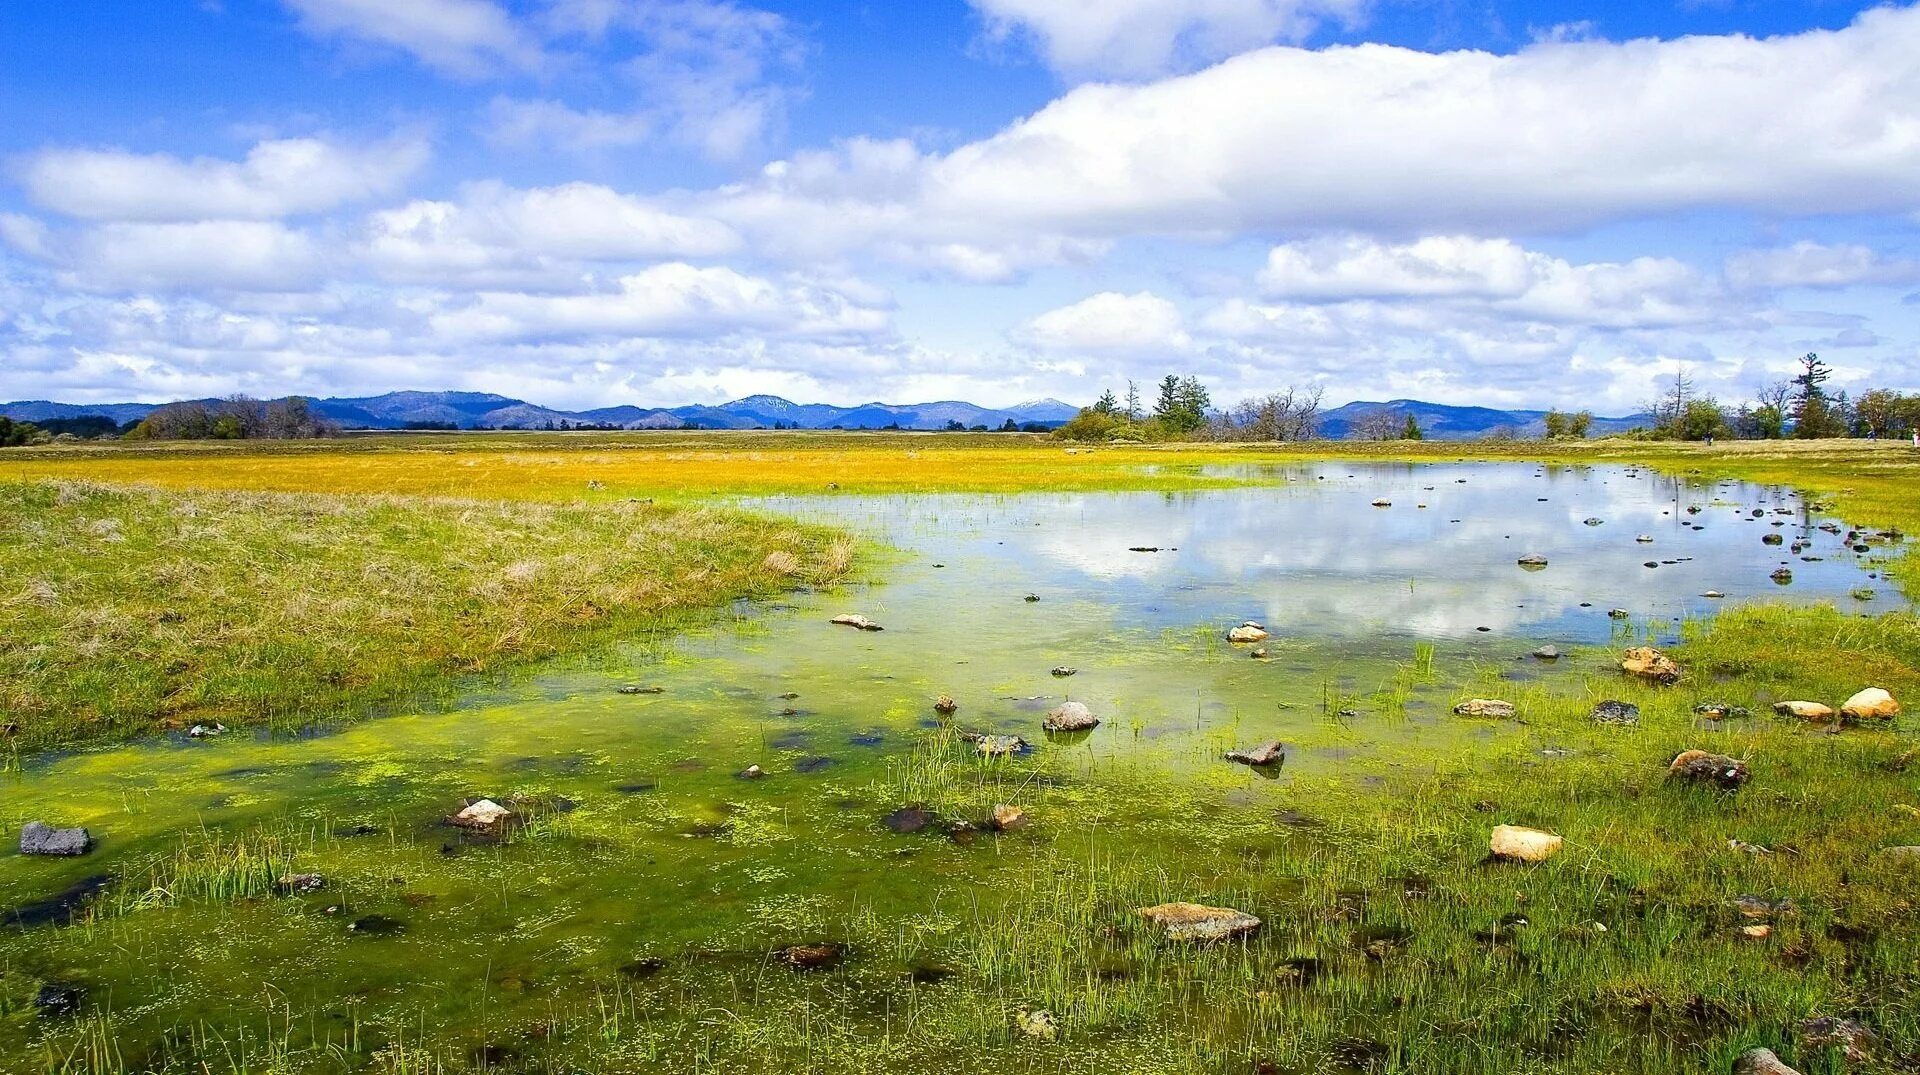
x=131, y=610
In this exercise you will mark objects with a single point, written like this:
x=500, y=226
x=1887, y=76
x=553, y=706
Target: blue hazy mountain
x=1438, y=421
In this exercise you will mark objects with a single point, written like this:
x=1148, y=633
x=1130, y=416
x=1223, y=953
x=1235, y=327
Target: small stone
x=1513, y=843
x=635, y=689
x=1714, y=594
x=300, y=884
x=40, y=838
x=1618, y=613
x=1008, y=818
x=1781, y=575
x=1198, y=922
x=859, y=622
x=1244, y=634
x=1870, y=704
x=1804, y=710
x=945, y=705
x=1702, y=767
x=810, y=956
x=483, y=814
x=1824, y=1032
x=1486, y=707
x=752, y=772
x=1062, y=671
x=1614, y=711
x=206, y=731
x=1031, y=598
x=1644, y=539
x=1001, y=746
x=1594, y=521
x=1759, y=931
x=1721, y=710
x=1383, y=503
x=1649, y=663
x=1070, y=717
x=1272, y=753
x=1547, y=653
x=1532, y=560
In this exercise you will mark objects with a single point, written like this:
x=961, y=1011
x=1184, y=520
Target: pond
x=654, y=883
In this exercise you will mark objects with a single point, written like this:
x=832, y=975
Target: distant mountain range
x=484, y=410
x=1441, y=422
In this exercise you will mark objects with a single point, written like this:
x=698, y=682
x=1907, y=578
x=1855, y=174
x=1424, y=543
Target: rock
x=1485, y=707
x=752, y=772
x=1383, y=502
x=1614, y=711
x=1246, y=634
x=1594, y=521
x=1781, y=575
x=1618, y=613
x=1070, y=717
x=1758, y=932
x=1715, y=594
x=1649, y=663
x=1871, y=704
x=57, y=1000
x=1761, y=1062
x=1198, y=922
x=1032, y=598
x=1040, y=1025
x=810, y=956
x=1804, y=710
x=1701, y=767
x=1001, y=746
x=1062, y=671
x=1532, y=560
x=484, y=814
x=1824, y=1032
x=40, y=838
x=1905, y=853
x=1512, y=843
x=945, y=705
x=1270, y=754
x=860, y=622
x=1644, y=539
x=299, y=884
x=1007, y=818
x=1772, y=539
x=909, y=819
x=632, y=689
x=1547, y=653
x=1721, y=710
x=206, y=731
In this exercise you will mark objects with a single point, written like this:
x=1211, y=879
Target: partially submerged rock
x=909, y=819
x=1761, y=1062
x=810, y=956
x=1007, y=818
x=1000, y=746
x=1039, y=1025
x=945, y=705
x=1804, y=710
x=1062, y=671
x=300, y=884
x=1261, y=756
x=1649, y=663
x=860, y=622
x=1547, y=653
x=1514, y=843
x=1702, y=767
x=482, y=815
x=40, y=838
x=1070, y=717
x=1532, y=560
x=1721, y=710
x=1614, y=711
x=1486, y=707
x=1248, y=633
x=1198, y=922
x=1873, y=703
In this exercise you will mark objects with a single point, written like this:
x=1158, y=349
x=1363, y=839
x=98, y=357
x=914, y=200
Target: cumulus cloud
x=1109, y=323
x=1146, y=37
x=468, y=38
x=277, y=178
x=1810, y=264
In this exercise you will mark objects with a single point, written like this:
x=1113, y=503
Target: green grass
x=131, y=610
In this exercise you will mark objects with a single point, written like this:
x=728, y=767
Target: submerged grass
x=131, y=610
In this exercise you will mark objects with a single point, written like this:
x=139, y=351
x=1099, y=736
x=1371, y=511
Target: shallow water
x=647, y=844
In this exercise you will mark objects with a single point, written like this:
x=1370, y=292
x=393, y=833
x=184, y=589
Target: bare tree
x=1282, y=416
x=1381, y=424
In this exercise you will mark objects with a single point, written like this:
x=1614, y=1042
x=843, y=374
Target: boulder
x=1270, y=754
x=1198, y=922
x=1804, y=710
x=1761, y=1062
x=1245, y=634
x=1070, y=717
x=40, y=838
x=1649, y=663
x=483, y=814
x=1008, y=818
x=860, y=622
x=1871, y=704
x=1485, y=707
x=1614, y=711
x=1547, y=653
x=1702, y=767
x=1513, y=843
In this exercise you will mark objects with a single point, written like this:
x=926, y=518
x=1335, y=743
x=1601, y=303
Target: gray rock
x=1070, y=717
x=40, y=838
x=1270, y=754
x=1761, y=1062
x=1612, y=711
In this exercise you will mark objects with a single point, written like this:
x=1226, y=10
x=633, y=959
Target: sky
x=1511, y=203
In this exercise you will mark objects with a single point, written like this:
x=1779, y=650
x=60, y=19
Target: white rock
x=1519, y=844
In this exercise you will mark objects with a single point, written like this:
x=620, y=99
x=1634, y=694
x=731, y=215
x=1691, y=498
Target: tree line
x=235, y=418
x=1800, y=407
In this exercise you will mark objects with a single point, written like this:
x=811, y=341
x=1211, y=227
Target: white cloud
x=1109, y=323
x=278, y=178
x=245, y=255
x=468, y=38
x=555, y=123
x=1145, y=37
x=497, y=234
x=668, y=300
x=1374, y=137
x=1810, y=264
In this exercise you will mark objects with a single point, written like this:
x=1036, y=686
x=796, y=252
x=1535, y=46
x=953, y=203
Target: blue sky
x=587, y=202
